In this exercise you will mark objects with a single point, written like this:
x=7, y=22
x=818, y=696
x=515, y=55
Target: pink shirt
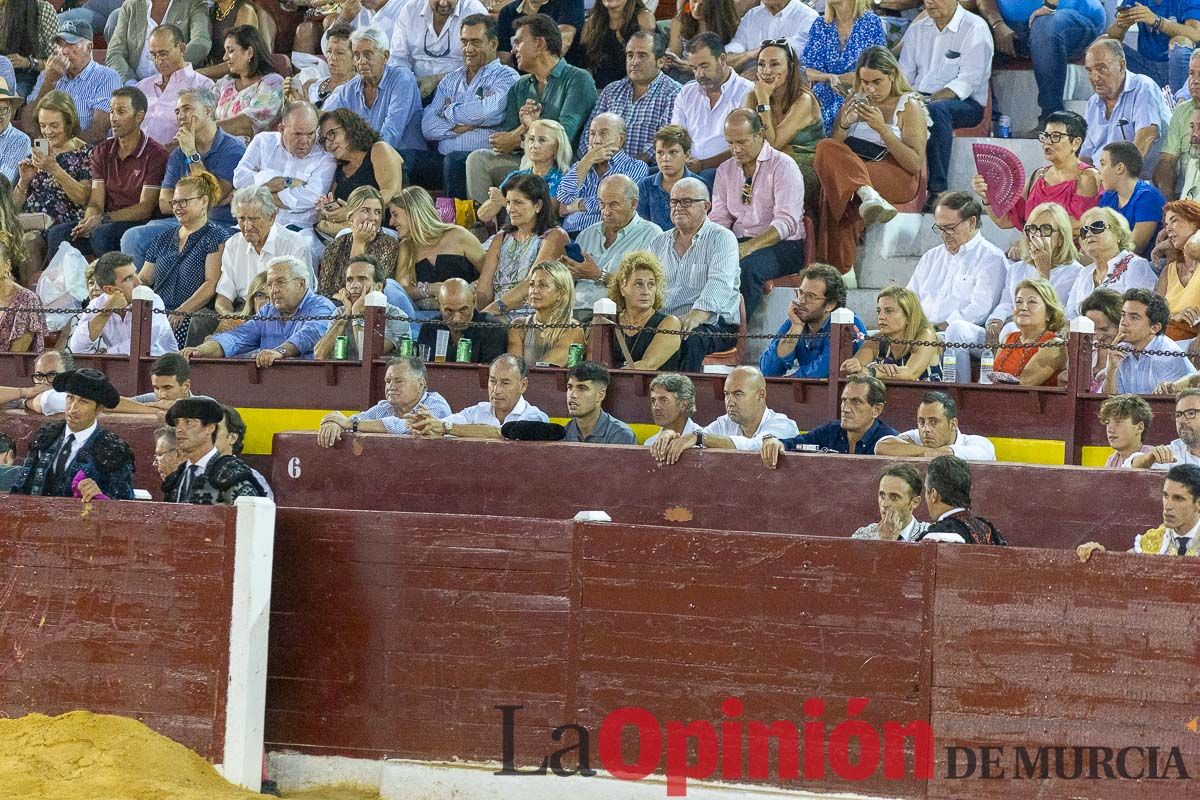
x=160, y=124
x=1062, y=193
x=776, y=197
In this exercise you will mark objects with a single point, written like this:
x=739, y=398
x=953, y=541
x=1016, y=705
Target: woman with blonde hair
x=431, y=251
x=10, y=224
x=547, y=153
x=1039, y=318
x=836, y=41
x=872, y=160
x=183, y=264
x=1106, y=239
x=546, y=336
x=58, y=184
x=642, y=340
x=893, y=352
x=364, y=216
x=1047, y=252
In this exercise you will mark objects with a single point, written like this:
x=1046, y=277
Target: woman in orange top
x=1039, y=317
x=1181, y=221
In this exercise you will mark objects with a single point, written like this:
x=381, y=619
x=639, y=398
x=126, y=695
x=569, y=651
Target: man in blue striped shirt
x=466, y=109
x=14, y=145
x=72, y=70
x=579, y=190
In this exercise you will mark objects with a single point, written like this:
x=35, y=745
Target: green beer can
x=407, y=348
x=462, y=353
x=575, y=355
x=340, y=347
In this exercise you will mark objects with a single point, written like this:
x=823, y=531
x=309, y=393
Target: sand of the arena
x=84, y=756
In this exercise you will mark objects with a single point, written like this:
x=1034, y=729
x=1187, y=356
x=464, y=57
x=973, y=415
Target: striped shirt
x=708, y=277
x=643, y=117
x=14, y=147
x=479, y=102
x=570, y=189
x=385, y=412
x=91, y=90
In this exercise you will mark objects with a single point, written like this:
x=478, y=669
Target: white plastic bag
x=63, y=284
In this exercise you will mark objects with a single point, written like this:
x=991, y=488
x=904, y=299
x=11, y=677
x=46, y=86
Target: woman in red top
x=1069, y=182
x=1039, y=317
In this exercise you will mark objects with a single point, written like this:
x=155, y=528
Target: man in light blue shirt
x=466, y=109
x=280, y=329
x=405, y=391
x=384, y=95
x=14, y=145
x=619, y=231
x=1126, y=106
x=1144, y=317
x=72, y=70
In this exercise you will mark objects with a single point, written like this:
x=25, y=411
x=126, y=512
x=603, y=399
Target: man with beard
x=456, y=299
x=63, y=451
x=702, y=106
x=857, y=431
x=363, y=276
x=900, y=492
x=405, y=390
x=1185, y=449
x=672, y=403
x=205, y=477
x=821, y=291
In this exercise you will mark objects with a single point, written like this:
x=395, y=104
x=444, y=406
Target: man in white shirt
x=1179, y=534
x=772, y=19
x=746, y=422
x=620, y=230
x=507, y=381
x=259, y=241
x=426, y=38
x=702, y=105
x=672, y=403
x=900, y=491
x=960, y=281
x=357, y=14
x=947, y=56
x=937, y=434
x=291, y=165
x=108, y=327
x=1185, y=449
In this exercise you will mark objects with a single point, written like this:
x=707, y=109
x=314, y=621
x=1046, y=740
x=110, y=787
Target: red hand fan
x=1004, y=173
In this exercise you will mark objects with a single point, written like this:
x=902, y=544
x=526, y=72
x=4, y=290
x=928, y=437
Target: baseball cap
x=74, y=31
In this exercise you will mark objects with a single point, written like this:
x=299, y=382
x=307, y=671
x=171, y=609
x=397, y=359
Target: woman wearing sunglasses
x=1047, y=252
x=1067, y=181
x=1106, y=239
x=792, y=114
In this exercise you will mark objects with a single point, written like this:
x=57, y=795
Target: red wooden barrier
x=821, y=493
x=124, y=611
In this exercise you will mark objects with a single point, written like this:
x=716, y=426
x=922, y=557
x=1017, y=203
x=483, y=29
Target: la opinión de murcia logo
x=854, y=750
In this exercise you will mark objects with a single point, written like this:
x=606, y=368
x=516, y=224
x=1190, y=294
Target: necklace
x=221, y=15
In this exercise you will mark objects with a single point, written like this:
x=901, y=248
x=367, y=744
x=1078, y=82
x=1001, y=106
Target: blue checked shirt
x=479, y=103
x=643, y=117
x=384, y=412
x=91, y=90
x=14, y=147
x=570, y=190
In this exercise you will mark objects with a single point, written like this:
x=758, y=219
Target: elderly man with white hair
x=620, y=230
x=281, y=329
x=700, y=263
x=385, y=95
x=578, y=191
x=259, y=241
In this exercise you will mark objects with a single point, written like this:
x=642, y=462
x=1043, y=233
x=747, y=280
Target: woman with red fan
x=874, y=157
x=1067, y=181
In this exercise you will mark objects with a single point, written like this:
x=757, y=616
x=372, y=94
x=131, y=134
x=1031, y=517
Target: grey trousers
x=486, y=169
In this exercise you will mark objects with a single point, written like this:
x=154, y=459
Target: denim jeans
x=947, y=115
x=136, y=241
x=1172, y=72
x=1054, y=40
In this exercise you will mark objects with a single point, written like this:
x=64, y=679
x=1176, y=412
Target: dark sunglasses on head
x=747, y=190
x=783, y=44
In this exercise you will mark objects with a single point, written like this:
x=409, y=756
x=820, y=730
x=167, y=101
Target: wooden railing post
x=141, y=336
x=600, y=335
x=1080, y=346
x=841, y=338
x=375, y=311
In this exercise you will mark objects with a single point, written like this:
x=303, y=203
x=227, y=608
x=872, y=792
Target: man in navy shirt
x=1139, y=202
x=821, y=291
x=1167, y=33
x=856, y=432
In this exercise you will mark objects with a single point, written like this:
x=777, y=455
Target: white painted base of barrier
x=427, y=780
x=246, y=703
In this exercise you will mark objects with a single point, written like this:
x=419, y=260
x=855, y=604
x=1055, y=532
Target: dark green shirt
x=569, y=98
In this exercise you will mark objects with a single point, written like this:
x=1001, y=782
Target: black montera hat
x=88, y=383
x=199, y=407
x=530, y=431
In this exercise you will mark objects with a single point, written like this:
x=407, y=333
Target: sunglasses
x=1093, y=229
x=44, y=377
x=782, y=44
x=747, y=190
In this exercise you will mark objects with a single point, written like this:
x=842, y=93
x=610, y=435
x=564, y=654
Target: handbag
x=867, y=151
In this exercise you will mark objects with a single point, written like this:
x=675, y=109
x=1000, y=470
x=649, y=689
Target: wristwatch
x=354, y=426
x=281, y=350
x=761, y=107
x=447, y=428
x=699, y=439
x=194, y=158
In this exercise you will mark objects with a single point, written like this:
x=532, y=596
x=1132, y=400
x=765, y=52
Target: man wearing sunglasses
x=40, y=398
x=1186, y=448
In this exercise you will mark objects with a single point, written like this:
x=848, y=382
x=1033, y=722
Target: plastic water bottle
x=986, y=364
x=1004, y=127
x=950, y=367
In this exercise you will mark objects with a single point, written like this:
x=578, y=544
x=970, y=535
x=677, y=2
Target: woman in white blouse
x=1107, y=240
